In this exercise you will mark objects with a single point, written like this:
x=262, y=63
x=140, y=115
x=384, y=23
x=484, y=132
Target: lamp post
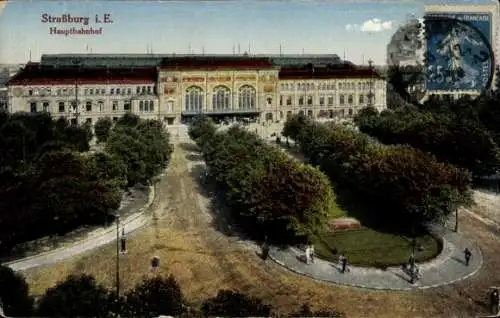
x=117, y=256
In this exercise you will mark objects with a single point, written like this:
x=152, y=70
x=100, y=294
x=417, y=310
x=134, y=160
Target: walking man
x=308, y=254
x=468, y=255
x=494, y=301
x=311, y=251
x=265, y=249
x=344, y=264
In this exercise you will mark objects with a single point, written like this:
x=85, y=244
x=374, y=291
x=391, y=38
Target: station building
x=174, y=89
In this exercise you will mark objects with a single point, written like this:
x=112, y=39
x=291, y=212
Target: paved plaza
x=448, y=267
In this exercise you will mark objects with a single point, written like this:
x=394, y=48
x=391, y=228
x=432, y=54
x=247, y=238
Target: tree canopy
x=459, y=140
x=229, y=303
x=14, y=294
x=409, y=186
x=51, y=184
x=269, y=192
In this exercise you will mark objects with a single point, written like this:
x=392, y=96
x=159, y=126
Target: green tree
x=14, y=294
x=201, y=129
x=154, y=297
x=102, y=129
x=293, y=126
x=128, y=120
x=234, y=304
x=77, y=296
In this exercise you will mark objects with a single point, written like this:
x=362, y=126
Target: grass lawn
x=367, y=247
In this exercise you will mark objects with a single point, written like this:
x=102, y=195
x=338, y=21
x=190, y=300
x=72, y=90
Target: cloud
x=372, y=25
x=375, y=25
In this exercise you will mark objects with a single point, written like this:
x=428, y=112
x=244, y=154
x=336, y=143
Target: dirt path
x=205, y=260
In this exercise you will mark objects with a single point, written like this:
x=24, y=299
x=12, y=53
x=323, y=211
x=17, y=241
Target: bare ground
x=204, y=260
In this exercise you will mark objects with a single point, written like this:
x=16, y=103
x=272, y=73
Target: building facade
x=180, y=88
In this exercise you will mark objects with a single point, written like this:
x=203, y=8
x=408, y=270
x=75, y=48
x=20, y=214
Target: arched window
x=342, y=100
x=141, y=106
x=361, y=99
x=151, y=106
x=220, y=98
x=194, y=99
x=100, y=105
x=350, y=99
x=246, y=97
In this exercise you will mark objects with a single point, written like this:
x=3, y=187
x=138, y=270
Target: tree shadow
x=367, y=212
x=222, y=220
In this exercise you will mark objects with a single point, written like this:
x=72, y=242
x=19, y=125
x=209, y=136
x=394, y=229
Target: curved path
x=448, y=267
x=107, y=235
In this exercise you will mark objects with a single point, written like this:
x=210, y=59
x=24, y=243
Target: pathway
x=101, y=237
x=447, y=268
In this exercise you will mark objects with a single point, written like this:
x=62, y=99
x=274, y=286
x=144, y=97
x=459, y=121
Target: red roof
x=326, y=72
x=35, y=74
x=211, y=63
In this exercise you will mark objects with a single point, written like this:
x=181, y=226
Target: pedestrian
x=468, y=255
x=265, y=249
x=311, y=250
x=308, y=254
x=344, y=264
x=494, y=301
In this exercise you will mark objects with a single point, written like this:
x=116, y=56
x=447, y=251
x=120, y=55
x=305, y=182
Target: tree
x=154, y=297
x=234, y=304
x=14, y=294
x=102, y=129
x=408, y=186
x=128, y=120
x=293, y=126
x=201, y=129
x=77, y=296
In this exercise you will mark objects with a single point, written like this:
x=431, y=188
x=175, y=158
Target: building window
x=220, y=98
x=46, y=107
x=88, y=106
x=115, y=105
x=129, y=91
x=269, y=101
x=301, y=100
x=194, y=99
x=138, y=90
x=342, y=100
x=149, y=89
x=112, y=91
x=330, y=100
x=350, y=99
x=103, y=91
x=151, y=106
x=101, y=105
x=310, y=113
x=144, y=89
x=127, y=106
x=30, y=92
x=281, y=100
x=91, y=91
x=361, y=99
x=289, y=101
x=350, y=111
x=85, y=91
x=33, y=107
x=141, y=106
x=88, y=121
x=309, y=100
x=246, y=97
x=117, y=91
x=61, y=107
x=321, y=100
x=340, y=86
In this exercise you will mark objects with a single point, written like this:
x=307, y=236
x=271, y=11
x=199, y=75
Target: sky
x=359, y=29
